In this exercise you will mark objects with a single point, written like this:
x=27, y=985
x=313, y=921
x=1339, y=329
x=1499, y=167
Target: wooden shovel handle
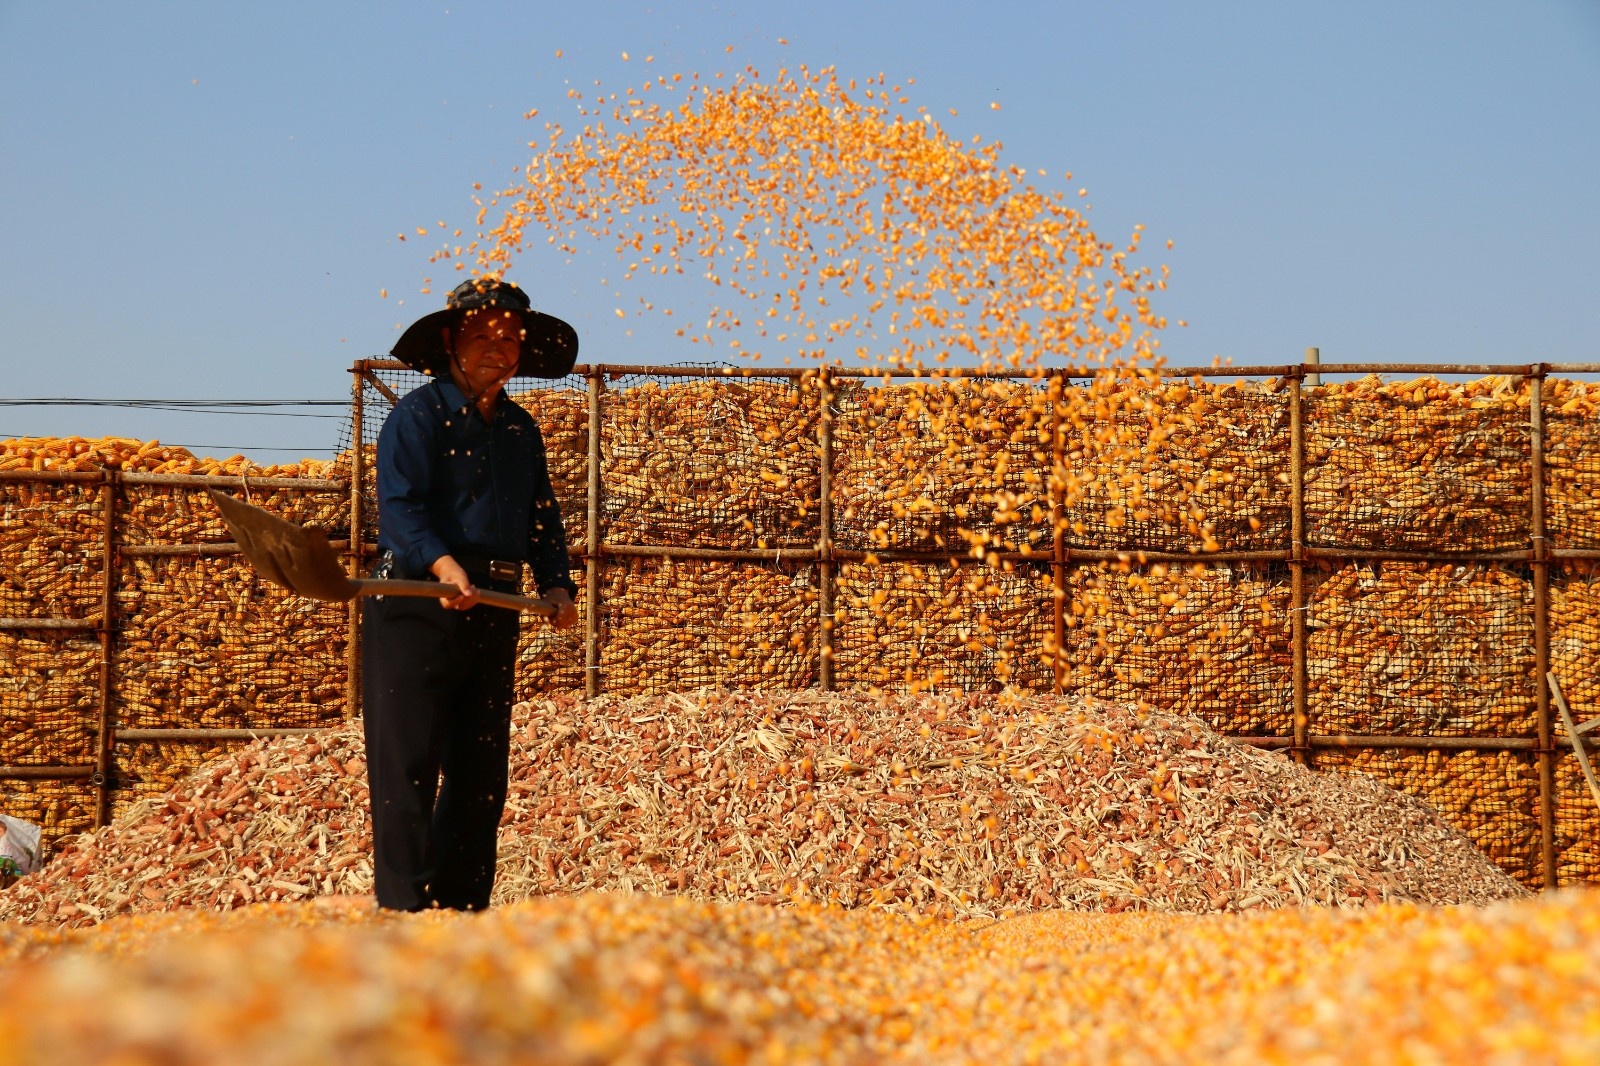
x=434, y=590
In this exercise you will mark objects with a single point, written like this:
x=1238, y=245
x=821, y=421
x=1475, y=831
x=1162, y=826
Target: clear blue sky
x=201, y=199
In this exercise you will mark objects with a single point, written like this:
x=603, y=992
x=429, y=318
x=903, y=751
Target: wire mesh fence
x=45, y=571
x=791, y=530
x=49, y=697
x=1212, y=641
x=1420, y=649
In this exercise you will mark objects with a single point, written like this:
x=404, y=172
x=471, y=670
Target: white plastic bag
x=19, y=842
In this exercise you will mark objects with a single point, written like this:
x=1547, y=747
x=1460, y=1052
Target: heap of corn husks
x=606, y=977
x=954, y=806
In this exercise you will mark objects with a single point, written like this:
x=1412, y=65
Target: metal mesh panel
x=1575, y=635
x=1491, y=796
x=146, y=770
x=907, y=627
x=1212, y=641
x=60, y=808
x=561, y=409
x=380, y=390
x=1217, y=464
x=550, y=660
x=1572, y=463
x=562, y=413
x=206, y=642
x=914, y=464
x=679, y=624
x=162, y=514
x=1418, y=465
x=710, y=462
x=49, y=698
x=1577, y=820
x=51, y=537
x=1417, y=649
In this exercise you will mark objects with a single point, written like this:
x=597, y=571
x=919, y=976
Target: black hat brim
x=549, y=345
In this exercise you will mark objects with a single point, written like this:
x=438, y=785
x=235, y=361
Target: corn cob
x=1208, y=641
x=1418, y=464
x=1414, y=649
x=49, y=698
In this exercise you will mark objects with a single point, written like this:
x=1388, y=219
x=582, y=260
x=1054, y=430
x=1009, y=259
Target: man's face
x=488, y=345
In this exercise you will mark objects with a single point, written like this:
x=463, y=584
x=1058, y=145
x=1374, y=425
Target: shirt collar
x=458, y=399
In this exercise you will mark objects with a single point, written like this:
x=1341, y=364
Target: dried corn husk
x=1491, y=796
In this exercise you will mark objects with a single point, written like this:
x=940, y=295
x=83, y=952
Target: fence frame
x=827, y=556
x=102, y=772
x=1297, y=554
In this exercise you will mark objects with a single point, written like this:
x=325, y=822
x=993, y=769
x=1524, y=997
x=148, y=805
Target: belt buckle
x=502, y=570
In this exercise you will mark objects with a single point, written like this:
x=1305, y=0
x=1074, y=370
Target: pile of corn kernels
x=612, y=977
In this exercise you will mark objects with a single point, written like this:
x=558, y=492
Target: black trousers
x=437, y=689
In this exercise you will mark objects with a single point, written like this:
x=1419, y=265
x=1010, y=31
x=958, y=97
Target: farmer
x=464, y=497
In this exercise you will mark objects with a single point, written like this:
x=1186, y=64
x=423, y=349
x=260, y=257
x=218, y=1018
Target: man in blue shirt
x=464, y=496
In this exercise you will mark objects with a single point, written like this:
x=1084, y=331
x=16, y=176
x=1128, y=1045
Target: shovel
x=299, y=559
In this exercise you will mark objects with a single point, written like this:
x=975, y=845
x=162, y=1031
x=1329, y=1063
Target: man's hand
x=449, y=572
x=566, y=615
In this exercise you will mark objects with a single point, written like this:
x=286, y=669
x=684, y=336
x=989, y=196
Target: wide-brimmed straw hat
x=549, y=345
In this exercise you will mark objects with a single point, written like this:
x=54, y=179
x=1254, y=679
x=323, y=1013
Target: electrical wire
x=233, y=407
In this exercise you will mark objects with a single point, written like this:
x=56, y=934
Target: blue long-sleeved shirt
x=450, y=483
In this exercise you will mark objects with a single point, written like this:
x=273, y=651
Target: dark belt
x=481, y=569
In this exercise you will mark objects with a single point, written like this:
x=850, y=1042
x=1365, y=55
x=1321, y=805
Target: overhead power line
x=235, y=407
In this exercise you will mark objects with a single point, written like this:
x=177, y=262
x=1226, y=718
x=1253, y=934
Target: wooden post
x=104, y=763
x=825, y=560
x=1058, y=549
x=1541, y=630
x=352, y=684
x=592, y=545
x=1298, y=606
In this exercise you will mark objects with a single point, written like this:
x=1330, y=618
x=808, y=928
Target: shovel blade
x=286, y=554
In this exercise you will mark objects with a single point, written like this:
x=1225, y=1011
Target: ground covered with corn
x=618, y=978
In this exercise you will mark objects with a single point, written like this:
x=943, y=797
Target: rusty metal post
x=104, y=762
x=592, y=546
x=1541, y=630
x=1058, y=549
x=1298, y=607
x=825, y=560
x=352, y=684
